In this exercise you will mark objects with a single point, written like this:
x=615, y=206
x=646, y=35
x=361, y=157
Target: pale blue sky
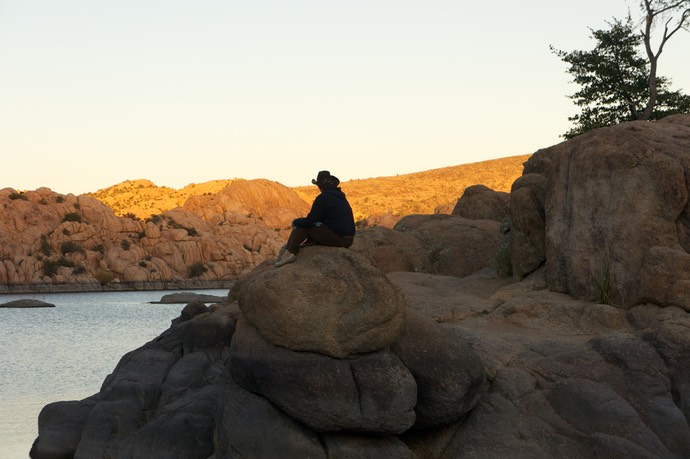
x=95, y=92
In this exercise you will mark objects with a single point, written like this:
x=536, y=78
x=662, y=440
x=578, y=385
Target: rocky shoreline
x=75, y=287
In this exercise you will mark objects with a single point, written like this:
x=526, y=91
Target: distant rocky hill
x=54, y=242
x=420, y=192
x=142, y=198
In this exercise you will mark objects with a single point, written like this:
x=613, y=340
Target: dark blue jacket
x=332, y=209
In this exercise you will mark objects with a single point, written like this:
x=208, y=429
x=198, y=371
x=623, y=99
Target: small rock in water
x=189, y=297
x=27, y=303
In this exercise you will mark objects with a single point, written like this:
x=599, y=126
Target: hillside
x=142, y=198
x=423, y=192
x=420, y=192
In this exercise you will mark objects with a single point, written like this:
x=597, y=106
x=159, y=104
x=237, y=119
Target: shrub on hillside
x=72, y=217
x=19, y=195
x=46, y=249
x=50, y=267
x=104, y=276
x=197, y=269
x=70, y=247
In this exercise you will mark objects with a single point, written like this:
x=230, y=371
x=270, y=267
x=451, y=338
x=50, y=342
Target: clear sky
x=95, y=92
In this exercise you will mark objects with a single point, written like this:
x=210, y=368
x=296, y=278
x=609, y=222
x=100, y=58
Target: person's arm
x=314, y=215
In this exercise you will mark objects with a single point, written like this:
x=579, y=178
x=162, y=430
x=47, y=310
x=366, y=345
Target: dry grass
x=420, y=192
x=142, y=198
x=423, y=192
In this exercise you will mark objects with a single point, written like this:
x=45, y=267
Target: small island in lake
x=27, y=303
x=189, y=297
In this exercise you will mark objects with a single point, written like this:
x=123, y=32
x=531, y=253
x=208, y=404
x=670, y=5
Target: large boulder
x=331, y=301
x=449, y=374
x=528, y=225
x=567, y=378
x=373, y=392
x=479, y=202
x=391, y=250
x=609, y=222
x=455, y=246
x=61, y=425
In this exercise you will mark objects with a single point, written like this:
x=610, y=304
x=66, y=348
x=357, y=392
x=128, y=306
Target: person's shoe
x=287, y=258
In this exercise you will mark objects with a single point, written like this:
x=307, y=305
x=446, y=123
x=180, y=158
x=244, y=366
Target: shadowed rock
x=449, y=374
x=614, y=214
x=455, y=246
x=373, y=392
x=479, y=202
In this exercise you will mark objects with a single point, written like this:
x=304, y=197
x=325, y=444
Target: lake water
x=65, y=352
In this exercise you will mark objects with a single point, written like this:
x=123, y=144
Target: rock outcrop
x=48, y=240
x=344, y=371
x=479, y=202
x=436, y=244
x=341, y=304
x=567, y=378
x=607, y=212
x=26, y=303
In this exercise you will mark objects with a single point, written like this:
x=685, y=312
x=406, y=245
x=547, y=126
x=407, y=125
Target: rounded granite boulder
x=373, y=392
x=330, y=301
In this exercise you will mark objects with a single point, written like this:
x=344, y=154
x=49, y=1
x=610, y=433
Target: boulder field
x=411, y=345
x=53, y=242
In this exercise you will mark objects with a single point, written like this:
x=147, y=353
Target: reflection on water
x=65, y=352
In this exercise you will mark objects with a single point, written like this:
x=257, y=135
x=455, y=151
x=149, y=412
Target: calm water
x=65, y=353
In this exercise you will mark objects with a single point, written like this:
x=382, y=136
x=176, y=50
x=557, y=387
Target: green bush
x=65, y=262
x=197, y=269
x=19, y=195
x=603, y=288
x=70, y=247
x=72, y=217
x=155, y=219
x=50, y=267
x=125, y=244
x=46, y=249
x=504, y=266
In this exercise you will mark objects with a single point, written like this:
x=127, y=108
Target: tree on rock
x=618, y=82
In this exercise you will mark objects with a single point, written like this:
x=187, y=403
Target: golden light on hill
x=420, y=192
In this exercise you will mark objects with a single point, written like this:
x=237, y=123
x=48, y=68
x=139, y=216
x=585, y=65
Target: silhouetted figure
x=329, y=222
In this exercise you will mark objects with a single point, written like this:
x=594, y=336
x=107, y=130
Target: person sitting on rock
x=329, y=222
